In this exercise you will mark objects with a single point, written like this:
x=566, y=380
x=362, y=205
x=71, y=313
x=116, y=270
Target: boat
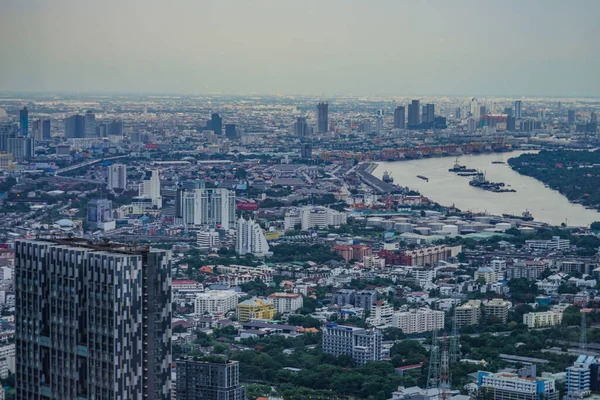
x=526, y=216
x=481, y=182
x=387, y=178
x=460, y=168
x=423, y=177
x=498, y=162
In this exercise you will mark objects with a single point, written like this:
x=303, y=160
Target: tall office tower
x=508, y=111
x=231, y=132
x=115, y=128
x=457, y=113
x=217, y=207
x=428, y=115
x=471, y=125
x=379, y=124
x=571, y=117
x=301, y=128
x=99, y=214
x=36, y=129
x=518, y=111
x=46, y=129
x=24, y=121
x=250, y=239
x=179, y=203
x=399, y=117
x=75, y=126
x=215, y=124
x=22, y=148
x=89, y=125
x=306, y=150
x=322, y=117
x=511, y=123
x=482, y=111
x=366, y=127
x=117, y=177
x=150, y=187
x=594, y=118
x=414, y=117
x=209, y=380
x=93, y=321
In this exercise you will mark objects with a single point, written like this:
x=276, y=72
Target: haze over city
x=503, y=48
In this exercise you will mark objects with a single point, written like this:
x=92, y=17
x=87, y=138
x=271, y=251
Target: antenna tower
x=433, y=375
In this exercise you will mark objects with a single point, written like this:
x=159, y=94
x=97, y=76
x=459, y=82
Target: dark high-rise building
x=206, y=380
x=457, y=113
x=21, y=147
x=400, y=117
x=306, y=150
x=428, y=115
x=75, y=126
x=482, y=111
x=594, y=118
x=508, y=111
x=322, y=117
x=93, y=321
x=301, y=128
x=439, y=122
x=46, y=129
x=518, y=111
x=527, y=125
x=89, y=125
x=24, y=121
x=115, y=128
x=215, y=124
x=414, y=117
x=511, y=123
x=571, y=117
x=231, y=132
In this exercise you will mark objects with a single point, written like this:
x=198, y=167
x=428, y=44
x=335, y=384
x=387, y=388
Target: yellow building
x=255, y=308
x=6, y=161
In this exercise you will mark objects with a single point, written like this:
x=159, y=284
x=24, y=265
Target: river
x=447, y=188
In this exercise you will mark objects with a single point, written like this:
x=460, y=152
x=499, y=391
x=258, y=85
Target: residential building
x=286, y=302
x=518, y=109
x=418, y=320
x=117, y=177
x=322, y=117
x=24, y=122
x=399, y=117
x=215, y=124
x=497, y=308
x=542, y=319
x=361, y=344
x=373, y=262
x=150, y=188
x=207, y=240
x=217, y=207
x=429, y=255
x=365, y=299
x=231, y=132
x=99, y=215
x=46, y=129
x=209, y=380
x=92, y=320
x=7, y=360
x=320, y=217
x=468, y=313
x=301, y=128
x=89, y=125
x=487, y=274
x=250, y=239
x=509, y=386
x=356, y=252
x=381, y=314
x=414, y=117
x=75, y=126
x=556, y=243
x=215, y=302
x=578, y=375
x=255, y=308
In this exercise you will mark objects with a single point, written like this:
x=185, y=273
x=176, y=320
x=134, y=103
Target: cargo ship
x=481, y=182
x=498, y=162
x=423, y=177
x=526, y=216
x=461, y=168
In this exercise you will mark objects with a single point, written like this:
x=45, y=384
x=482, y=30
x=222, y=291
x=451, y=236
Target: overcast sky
x=321, y=47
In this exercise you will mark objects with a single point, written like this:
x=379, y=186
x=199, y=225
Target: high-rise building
x=24, y=121
x=315, y=217
x=207, y=240
x=418, y=320
x=256, y=308
x=217, y=208
x=301, y=128
x=508, y=111
x=399, y=117
x=414, y=117
x=322, y=117
x=361, y=344
x=366, y=126
x=231, y=132
x=250, y=239
x=457, y=113
x=150, y=187
x=468, y=313
x=89, y=125
x=306, y=150
x=215, y=124
x=286, y=302
x=378, y=124
x=92, y=321
x=46, y=126
x=518, y=110
x=578, y=375
x=116, y=177
x=21, y=147
x=571, y=117
x=215, y=302
x=508, y=386
x=99, y=214
x=197, y=379
x=482, y=111
x=593, y=118
x=75, y=126
x=190, y=208
x=428, y=115
x=511, y=123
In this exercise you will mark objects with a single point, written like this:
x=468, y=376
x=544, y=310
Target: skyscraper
x=594, y=118
x=400, y=117
x=46, y=129
x=99, y=214
x=301, y=128
x=571, y=117
x=518, y=111
x=217, y=207
x=197, y=379
x=250, y=239
x=306, y=150
x=322, y=117
x=428, y=115
x=150, y=187
x=215, y=124
x=117, y=177
x=511, y=123
x=89, y=125
x=457, y=113
x=414, y=117
x=24, y=121
x=92, y=320
x=75, y=126
x=508, y=111
x=231, y=132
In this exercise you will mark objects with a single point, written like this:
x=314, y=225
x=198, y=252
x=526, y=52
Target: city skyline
x=211, y=47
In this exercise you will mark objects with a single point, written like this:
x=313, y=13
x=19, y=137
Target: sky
x=317, y=47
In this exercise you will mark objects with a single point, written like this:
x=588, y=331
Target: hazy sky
x=322, y=47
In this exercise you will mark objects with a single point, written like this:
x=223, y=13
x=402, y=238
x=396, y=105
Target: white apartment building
x=418, y=320
x=215, y=302
x=150, y=188
x=542, y=319
x=7, y=360
x=468, y=313
x=488, y=274
x=6, y=273
x=556, y=243
x=250, y=239
x=373, y=262
x=382, y=315
x=207, y=240
x=499, y=266
x=320, y=217
x=286, y=302
x=117, y=177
